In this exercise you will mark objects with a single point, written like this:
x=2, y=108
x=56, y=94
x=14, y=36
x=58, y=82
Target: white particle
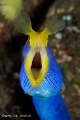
x=58, y=35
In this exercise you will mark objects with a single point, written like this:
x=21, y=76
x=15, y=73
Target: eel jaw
x=36, y=65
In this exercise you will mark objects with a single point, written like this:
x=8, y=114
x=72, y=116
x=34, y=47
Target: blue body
x=47, y=101
x=51, y=108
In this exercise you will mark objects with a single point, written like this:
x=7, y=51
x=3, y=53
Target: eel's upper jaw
x=36, y=65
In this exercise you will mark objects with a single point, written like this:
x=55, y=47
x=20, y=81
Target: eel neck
x=51, y=108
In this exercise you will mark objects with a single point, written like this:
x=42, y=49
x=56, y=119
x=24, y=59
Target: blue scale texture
x=47, y=101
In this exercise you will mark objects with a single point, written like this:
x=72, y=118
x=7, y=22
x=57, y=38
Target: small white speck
x=58, y=35
x=68, y=17
x=64, y=17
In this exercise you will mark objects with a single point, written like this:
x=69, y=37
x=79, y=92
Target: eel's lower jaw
x=36, y=66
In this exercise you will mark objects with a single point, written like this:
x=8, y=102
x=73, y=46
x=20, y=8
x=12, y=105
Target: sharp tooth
x=38, y=44
x=33, y=54
x=42, y=53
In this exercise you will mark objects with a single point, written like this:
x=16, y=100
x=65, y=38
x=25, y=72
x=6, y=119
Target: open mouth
x=36, y=66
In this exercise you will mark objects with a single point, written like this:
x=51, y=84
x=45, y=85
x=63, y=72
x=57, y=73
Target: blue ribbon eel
x=40, y=74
